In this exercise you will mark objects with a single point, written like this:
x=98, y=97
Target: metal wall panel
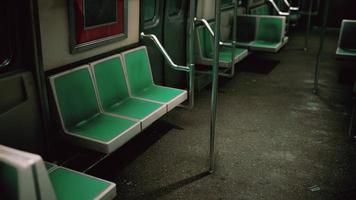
x=175, y=31
x=20, y=120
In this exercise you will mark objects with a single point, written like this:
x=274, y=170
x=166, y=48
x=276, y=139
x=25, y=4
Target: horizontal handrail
x=164, y=52
x=227, y=44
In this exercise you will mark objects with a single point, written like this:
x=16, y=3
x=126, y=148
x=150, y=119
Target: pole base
x=316, y=91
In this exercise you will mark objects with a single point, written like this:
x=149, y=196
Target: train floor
x=275, y=140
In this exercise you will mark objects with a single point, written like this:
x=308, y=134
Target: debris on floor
x=314, y=188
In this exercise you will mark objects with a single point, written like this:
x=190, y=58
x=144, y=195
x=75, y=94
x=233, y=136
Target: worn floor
x=275, y=140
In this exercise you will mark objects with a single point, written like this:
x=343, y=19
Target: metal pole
x=232, y=73
x=322, y=37
x=190, y=52
x=308, y=25
x=351, y=125
x=214, y=86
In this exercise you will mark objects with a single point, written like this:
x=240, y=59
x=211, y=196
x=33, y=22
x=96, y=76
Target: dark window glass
x=97, y=13
x=149, y=9
x=226, y=2
x=175, y=7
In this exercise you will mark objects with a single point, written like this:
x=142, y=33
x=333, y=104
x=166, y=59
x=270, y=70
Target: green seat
x=50, y=166
x=254, y=11
x=16, y=175
x=262, y=9
x=24, y=176
x=265, y=10
x=245, y=30
x=80, y=115
x=205, y=54
x=9, y=185
x=72, y=185
x=350, y=53
x=225, y=54
x=114, y=95
x=140, y=81
x=347, y=44
x=270, y=34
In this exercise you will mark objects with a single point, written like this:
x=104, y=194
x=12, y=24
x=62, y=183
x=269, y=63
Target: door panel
x=20, y=120
x=20, y=115
x=175, y=26
x=151, y=23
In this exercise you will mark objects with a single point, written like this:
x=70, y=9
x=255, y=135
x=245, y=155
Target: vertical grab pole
x=308, y=25
x=233, y=39
x=322, y=37
x=214, y=91
x=190, y=52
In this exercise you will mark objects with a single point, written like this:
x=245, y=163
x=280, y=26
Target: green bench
x=141, y=84
x=276, y=8
x=115, y=98
x=263, y=9
x=261, y=33
x=347, y=43
x=103, y=105
x=24, y=176
x=246, y=30
x=205, y=45
x=80, y=115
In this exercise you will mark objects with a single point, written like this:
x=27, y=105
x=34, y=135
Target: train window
x=106, y=14
x=150, y=11
x=5, y=39
x=175, y=7
x=226, y=2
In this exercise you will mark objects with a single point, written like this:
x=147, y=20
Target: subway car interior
x=178, y=99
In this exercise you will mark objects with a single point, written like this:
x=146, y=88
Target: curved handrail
x=277, y=9
x=287, y=3
x=6, y=62
x=190, y=68
x=164, y=52
x=290, y=7
x=206, y=24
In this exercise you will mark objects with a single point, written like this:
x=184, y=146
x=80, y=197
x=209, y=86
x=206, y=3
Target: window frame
x=76, y=47
x=179, y=13
x=155, y=19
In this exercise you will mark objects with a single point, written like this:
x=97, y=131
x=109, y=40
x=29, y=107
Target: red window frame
x=86, y=38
